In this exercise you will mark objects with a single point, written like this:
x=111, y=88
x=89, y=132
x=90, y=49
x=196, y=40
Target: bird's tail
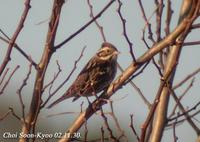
x=65, y=96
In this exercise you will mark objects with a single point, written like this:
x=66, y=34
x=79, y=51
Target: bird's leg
x=88, y=100
x=93, y=91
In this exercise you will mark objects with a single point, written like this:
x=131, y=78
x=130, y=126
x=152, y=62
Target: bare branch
x=111, y=136
x=112, y=114
x=186, y=79
x=62, y=113
x=19, y=49
x=191, y=43
x=174, y=131
x=133, y=129
x=6, y=83
x=195, y=26
x=150, y=34
x=68, y=77
x=102, y=134
x=125, y=30
x=146, y=22
x=192, y=124
x=159, y=11
x=4, y=75
x=19, y=91
x=184, y=119
x=159, y=4
x=4, y=115
x=54, y=78
x=86, y=132
x=11, y=111
x=85, y=26
x=168, y=17
x=137, y=89
x=96, y=22
x=12, y=41
x=186, y=112
x=180, y=97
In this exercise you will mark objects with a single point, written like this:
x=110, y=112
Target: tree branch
x=85, y=26
x=15, y=35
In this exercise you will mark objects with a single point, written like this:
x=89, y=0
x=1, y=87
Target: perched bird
x=96, y=76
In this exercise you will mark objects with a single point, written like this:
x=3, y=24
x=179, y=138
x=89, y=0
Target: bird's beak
x=116, y=53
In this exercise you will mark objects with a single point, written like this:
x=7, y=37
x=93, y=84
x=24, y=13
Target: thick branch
x=36, y=101
x=189, y=9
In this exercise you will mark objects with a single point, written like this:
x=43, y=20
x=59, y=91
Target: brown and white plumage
x=98, y=73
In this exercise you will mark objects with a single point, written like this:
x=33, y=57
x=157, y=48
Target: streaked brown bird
x=96, y=76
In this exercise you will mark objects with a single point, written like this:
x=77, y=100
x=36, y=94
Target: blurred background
x=126, y=101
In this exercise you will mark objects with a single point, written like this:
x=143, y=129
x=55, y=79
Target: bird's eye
x=104, y=52
x=108, y=51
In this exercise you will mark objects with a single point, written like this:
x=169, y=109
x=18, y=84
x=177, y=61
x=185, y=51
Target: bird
x=96, y=76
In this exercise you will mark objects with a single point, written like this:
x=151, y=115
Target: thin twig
x=159, y=4
x=186, y=79
x=137, y=89
x=54, y=78
x=168, y=17
x=159, y=12
x=167, y=30
x=186, y=112
x=184, y=119
x=68, y=77
x=10, y=111
x=180, y=97
x=96, y=22
x=4, y=75
x=14, y=114
x=191, y=43
x=19, y=49
x=102, y=134
x=138, y=73
x=190, y=121
x=108, y=127
x=195, y=26
x=133, y=129
x=146, y=22
x=6, y=83
x=62, y=113
x=4, y=115
x=85, y=132
x=112, y=113
x=85, y=26
x=125, y=30
x=19, y=91
x=174, y=131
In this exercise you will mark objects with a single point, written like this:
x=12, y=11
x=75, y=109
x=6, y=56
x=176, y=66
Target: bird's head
x=107, y=52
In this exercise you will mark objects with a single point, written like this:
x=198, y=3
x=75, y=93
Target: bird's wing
x=89, y=66
x=79, y=85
